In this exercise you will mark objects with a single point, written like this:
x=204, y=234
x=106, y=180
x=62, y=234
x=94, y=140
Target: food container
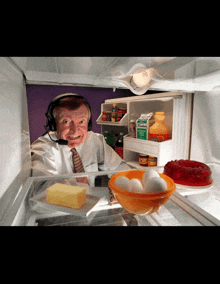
x=121, y=112
x=141, y=203
x=152, y=161
x=108, y=115
x=114, y=117
x=104, y=117
x=143, y=160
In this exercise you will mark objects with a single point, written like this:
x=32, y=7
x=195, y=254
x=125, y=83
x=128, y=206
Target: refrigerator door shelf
x=161, y=150
x=122, y=122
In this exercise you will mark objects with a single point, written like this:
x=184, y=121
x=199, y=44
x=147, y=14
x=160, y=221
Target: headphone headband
x=51, y=123
x=65, y=95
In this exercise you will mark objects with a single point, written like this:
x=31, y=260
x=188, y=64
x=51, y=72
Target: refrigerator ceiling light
x=137, y=79
x=141, y=78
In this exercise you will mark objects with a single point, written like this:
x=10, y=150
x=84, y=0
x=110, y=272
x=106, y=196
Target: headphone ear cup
x=90, y=125
x=51, y=123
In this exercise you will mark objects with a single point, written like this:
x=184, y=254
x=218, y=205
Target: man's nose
x=73, y=127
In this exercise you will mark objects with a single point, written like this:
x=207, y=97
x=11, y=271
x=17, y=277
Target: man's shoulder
x=45, y=141
x=95, y=136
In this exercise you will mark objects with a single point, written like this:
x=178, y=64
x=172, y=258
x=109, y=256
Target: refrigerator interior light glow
x=141, y=78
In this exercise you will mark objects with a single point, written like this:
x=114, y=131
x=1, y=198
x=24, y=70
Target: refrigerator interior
x=33, y=211
x=200, y=142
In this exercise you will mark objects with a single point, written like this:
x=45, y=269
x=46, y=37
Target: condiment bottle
x=143, y=160
x=159, y=130
x=132, y=130
x=109, y=140
x=119, y=145
x=114, y=107
x=152, y=161
x=114, y=117
x=121, y=112
x=104, y=117
x=108, y=115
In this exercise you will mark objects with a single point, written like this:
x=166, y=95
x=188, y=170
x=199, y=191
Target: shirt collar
x=78, y=148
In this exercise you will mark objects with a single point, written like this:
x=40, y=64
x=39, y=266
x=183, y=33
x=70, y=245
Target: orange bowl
x=141, y=203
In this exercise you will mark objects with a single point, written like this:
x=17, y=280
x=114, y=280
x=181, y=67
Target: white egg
x=150, y=173
x=155, y=184
x=136, y=185
x=123, y=182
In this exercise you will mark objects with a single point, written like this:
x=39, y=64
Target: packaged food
x=119, y=145
x=152, y=161
x=143, y=123
x=159, y=131
x=132, y=129
x=143, y=160
x=121, y=112
x=108, y=115
x=109, y=140
x=114, y=107
x=124, y=110
x=114, y=116
x=104, y=117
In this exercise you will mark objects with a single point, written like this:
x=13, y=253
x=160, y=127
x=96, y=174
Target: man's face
x=72, y=125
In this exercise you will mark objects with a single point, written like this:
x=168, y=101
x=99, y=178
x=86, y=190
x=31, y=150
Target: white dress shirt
x=51, y=158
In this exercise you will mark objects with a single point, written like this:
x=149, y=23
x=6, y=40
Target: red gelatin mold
x=187, y=172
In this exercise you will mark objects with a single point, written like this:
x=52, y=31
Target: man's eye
x=82, y=121
x=65, y=121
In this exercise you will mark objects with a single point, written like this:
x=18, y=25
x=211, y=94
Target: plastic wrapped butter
x=66, y=195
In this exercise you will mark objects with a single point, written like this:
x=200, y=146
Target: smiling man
x=69, y=118
x=72, y=125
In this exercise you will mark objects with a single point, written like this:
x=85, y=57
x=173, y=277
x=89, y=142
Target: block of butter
x=66, y=195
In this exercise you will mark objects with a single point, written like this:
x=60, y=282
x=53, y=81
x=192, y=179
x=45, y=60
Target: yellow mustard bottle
x=159, y=131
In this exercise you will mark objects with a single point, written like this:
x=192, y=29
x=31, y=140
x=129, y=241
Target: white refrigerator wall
x=205, y=145
x=14, y=131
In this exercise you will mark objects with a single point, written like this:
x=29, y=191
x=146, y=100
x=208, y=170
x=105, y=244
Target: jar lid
x=144, y=155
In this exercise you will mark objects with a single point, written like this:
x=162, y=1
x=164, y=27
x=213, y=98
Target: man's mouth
x=73, y=137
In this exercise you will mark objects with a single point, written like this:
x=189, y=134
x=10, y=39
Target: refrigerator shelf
x=108, y=107
x=161, y=150
x=122, y=122
x=179, y=210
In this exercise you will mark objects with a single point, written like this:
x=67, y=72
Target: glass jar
x=114, y=107
x=114, y=117
x=152, y=161
x=132, y=129
x=104, y=117
x=143, y=160
x=108, y=115
x=119, y=114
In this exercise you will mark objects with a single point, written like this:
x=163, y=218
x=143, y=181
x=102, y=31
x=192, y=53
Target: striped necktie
x=78, y=166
